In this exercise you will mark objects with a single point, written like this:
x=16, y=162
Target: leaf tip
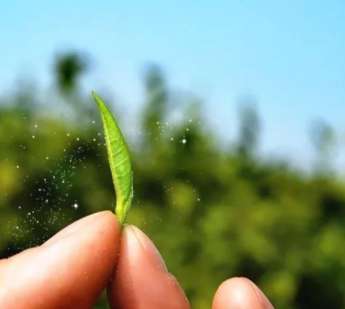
x=95, y=96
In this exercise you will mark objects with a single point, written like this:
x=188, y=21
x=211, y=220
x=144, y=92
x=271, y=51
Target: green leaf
x=119, y=160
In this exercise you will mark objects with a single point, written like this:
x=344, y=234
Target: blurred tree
x=156, y=104
x=68, y=69
x=249, y=130
x=323, y=140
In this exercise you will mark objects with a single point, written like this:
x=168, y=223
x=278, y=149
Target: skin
x=72, y=268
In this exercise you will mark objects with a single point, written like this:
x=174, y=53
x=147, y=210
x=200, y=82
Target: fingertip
x=138, y=242
x=141, y=279
x=240, y=293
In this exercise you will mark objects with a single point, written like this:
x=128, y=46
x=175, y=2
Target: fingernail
x=147, y=246
x=265, y=303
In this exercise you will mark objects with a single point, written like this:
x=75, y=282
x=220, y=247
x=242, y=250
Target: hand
x=72, y=268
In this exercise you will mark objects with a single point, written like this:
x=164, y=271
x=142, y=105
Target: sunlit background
x=234, y=112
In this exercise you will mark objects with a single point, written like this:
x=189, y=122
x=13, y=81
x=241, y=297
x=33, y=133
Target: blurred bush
x=213, y=212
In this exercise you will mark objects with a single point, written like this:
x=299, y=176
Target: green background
x=214, y=211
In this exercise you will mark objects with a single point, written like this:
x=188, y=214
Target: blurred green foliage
x=213, y=212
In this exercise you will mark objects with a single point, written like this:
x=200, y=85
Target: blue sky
x=290, y=55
